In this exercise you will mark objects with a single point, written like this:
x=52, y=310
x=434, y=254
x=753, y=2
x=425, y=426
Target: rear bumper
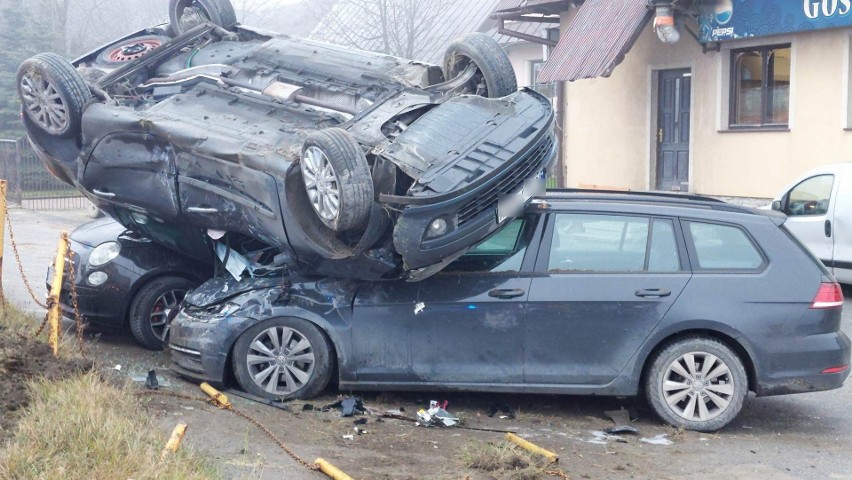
x=797, y=369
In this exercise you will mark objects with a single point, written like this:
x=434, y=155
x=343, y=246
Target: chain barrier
x=243, y=415
x=21, y=265
x=78, y=318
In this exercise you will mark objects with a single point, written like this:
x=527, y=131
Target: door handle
x=506, y=293
x=102, y=193
x=202, y=210
x=660, y=136
x=828, y=228
x=653, y=292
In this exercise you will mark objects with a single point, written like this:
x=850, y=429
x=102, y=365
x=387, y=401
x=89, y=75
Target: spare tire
x=52, y=94
x=337, y=179
x=495, y=76
x=220, y=12
x=128, y=50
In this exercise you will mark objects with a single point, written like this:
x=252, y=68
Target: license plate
x=512, y=205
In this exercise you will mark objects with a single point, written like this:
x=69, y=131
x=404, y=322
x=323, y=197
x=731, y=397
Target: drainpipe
x=501, y=29
x=664, y=21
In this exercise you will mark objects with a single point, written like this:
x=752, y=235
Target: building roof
x=597, y=39
x=356, y=24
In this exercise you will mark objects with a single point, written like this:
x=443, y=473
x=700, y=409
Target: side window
x=723, y=247
x=598, y=243
x=663, y=256
x=811, y=197
x=500, y=253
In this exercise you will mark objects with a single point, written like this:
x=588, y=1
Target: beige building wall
x=611, y=122
x=522, y=55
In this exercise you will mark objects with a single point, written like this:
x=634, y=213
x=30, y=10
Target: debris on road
x=622, y=429
x=621, y=416
x=151, y=382
x=661, y=439
x=436, y=415
x=502, y=408
x=348, y=406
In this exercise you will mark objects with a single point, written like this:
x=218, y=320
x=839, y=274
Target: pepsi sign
x=734, y=19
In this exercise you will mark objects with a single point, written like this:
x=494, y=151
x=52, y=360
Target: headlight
x=104, y=253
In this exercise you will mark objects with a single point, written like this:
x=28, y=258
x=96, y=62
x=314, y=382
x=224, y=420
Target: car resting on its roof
x=209, y=136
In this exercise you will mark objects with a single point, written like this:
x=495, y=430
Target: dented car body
x=331, y=160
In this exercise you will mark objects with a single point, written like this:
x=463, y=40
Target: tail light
x=829, y=295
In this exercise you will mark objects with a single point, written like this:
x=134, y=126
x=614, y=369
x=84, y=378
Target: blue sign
x=734, y=19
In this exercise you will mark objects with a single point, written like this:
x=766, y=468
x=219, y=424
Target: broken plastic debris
x=660, y=439
x=621, y=416
x=349, y=437
x=151, y=382
x=622, y=429
x=348, y=406
x=360, y=421
x=117, y=367
x=436, y=415
x=419, y=308
x=603, y=438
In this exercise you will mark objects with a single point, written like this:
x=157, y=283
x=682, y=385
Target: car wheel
x=283, y=358
x=53, y=94
x=129, y=50
x=337, y=179
x=495, y=76
x=186, y=14
x=697, y=383
x=154, y=307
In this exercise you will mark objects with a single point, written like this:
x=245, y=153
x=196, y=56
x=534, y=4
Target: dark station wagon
x=690, y=301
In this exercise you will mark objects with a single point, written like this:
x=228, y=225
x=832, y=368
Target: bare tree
x=395, y=27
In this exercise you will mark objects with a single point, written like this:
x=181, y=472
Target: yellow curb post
x=333, y=472
x=174, y=441
x=531, y=447
x=3, y=186
x=220, y=398
x=55, y=290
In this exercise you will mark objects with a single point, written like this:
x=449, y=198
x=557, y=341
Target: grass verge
x=66, y=423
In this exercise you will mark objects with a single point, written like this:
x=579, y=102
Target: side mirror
x=776, y=205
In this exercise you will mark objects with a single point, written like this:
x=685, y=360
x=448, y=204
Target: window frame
x=733, y=78
x=695, y=265
x=542, y=263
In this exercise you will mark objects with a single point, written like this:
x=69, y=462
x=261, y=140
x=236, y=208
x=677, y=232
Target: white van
x=819, y=210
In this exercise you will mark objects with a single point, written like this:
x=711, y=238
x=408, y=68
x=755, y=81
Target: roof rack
x=682, y=199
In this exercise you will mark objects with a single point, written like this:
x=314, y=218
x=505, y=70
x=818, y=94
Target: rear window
x=723, y=247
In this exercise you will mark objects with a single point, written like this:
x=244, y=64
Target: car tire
x=350, y=183
x=491, y=60
x=128, y=50
x=219, y=12
x=672, y=389
x=264, y=377
x=156, y=300
x=53, y=95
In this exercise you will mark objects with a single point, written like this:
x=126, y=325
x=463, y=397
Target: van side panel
x=842, y=231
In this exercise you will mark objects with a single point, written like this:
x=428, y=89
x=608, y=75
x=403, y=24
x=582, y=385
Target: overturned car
x=213, y=138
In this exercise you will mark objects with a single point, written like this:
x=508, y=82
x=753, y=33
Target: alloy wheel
x=698, y=386
x=280, y=360
x=321, y=183
x=44, y=103
x=164, y=309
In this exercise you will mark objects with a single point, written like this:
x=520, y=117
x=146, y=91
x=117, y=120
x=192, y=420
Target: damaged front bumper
x=197, y=346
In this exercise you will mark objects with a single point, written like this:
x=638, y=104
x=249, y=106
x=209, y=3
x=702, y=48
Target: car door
x=842, y=227
x=228, y=195
x=809, y=206
x=603, y=282
x=133, y=169
x=462, y=325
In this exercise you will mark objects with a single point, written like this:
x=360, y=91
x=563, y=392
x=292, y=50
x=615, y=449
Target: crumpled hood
x=97, y=232
x=219, y=289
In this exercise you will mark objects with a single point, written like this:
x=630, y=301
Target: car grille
x=511, y=182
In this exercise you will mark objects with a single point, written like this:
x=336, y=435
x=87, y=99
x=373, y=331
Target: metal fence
x=31, y=185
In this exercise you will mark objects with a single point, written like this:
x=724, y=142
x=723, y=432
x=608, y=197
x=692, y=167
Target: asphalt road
x=798, y=436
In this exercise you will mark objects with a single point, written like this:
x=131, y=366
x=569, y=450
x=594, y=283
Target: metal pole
x=3, y=211
x=55, y=291
x=18, y=187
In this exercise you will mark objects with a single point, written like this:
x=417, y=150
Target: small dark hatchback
x=689, y=301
